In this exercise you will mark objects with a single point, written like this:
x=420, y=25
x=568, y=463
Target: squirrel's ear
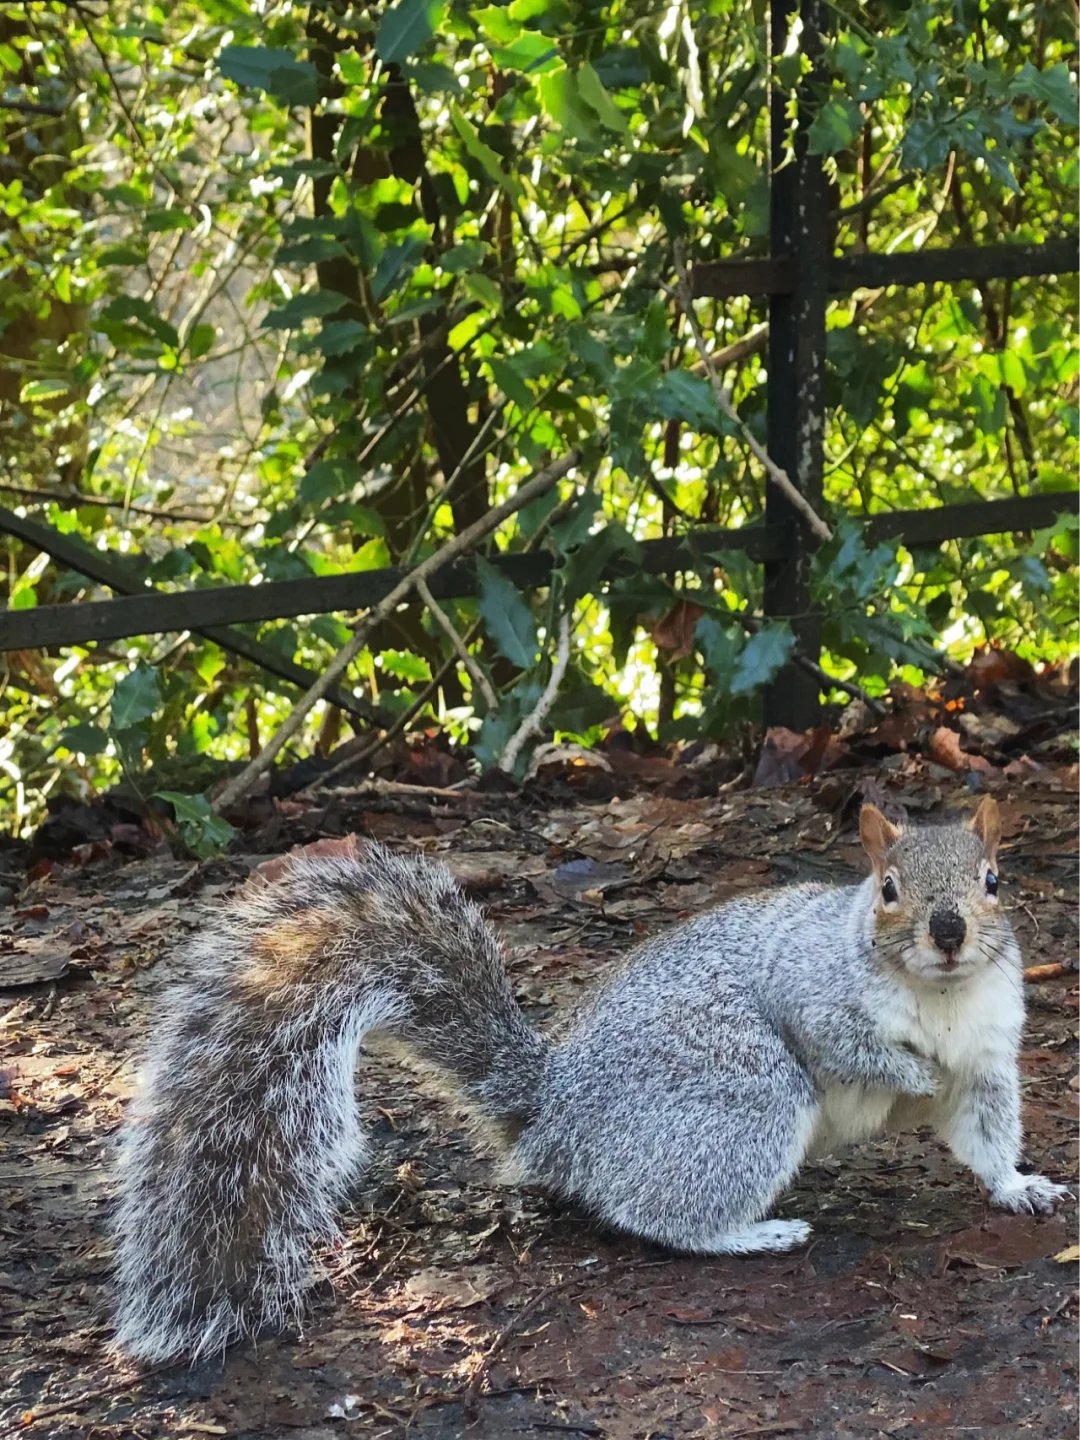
x=877, y=835
x=986, y=823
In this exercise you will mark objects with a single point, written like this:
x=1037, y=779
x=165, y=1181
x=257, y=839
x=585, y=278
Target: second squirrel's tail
x=244, y=1135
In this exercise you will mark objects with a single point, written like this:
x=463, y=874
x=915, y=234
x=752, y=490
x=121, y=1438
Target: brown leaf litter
x=460, y=1309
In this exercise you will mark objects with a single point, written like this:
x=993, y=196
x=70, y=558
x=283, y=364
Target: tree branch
x=532, y=723
x=77, y=497
x=540, y=483
x=31, y=107
x=476, y=674
x=405, y=719
x=752, y=343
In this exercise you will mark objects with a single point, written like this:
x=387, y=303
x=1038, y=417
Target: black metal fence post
x=799, y=231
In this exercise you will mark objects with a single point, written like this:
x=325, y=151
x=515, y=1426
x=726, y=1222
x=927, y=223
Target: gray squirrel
x=675, y=1103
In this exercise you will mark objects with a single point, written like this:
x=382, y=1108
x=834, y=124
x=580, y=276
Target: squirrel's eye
x=991, y=883
x=888, y=891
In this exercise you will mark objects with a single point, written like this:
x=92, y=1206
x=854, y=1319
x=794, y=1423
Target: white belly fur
x=847, y=1115
x=965, y=1029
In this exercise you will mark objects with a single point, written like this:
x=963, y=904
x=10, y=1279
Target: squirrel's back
x=684, y=1009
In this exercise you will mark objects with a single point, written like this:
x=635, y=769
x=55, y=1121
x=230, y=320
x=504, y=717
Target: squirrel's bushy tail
x=244, y=1135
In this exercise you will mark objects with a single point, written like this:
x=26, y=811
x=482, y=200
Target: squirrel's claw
x=1029, y=1195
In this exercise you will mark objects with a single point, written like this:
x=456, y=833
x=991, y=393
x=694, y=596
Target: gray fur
x=676, y=1103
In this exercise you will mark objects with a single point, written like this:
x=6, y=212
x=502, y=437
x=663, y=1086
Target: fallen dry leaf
x=1005, y=1242
x=945, y=749
x=992, y=666
x=788, y=755
x=347, y=846
x=436, y=1290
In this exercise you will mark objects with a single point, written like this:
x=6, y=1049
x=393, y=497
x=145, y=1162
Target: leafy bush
x=300, y=290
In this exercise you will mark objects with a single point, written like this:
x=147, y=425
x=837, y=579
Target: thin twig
x=404, y=720
x=476, y=674
x=540, y=483
x=778, y=476
x=752, y=343
x=871, y=198
x=375, y=743
x=533, y=722
x=31, y=107
x=78, y=497
x=390, y=787
x=472, y=1391
x=833, y=682
x=136, y=134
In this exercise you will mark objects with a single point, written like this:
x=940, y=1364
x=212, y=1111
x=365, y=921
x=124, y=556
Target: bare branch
x=376, y=786
x=540, y=483
x=476, y=674
x=378, y=742
x=31, y=107
x=79, y=498
x=752, y=343
x=533, y=722
x=779, y=477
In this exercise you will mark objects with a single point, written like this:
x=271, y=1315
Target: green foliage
x=279, y=73
x=762, y=658
x=136, y=697
x=297, y=290
x=85, y=739
x=507, y=617
x=405, y=27
x=203, y=833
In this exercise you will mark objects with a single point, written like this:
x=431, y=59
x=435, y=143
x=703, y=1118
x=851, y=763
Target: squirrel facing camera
x=675, y=1103
x=937, y=904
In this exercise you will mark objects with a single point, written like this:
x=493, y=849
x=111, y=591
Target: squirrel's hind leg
x=705, y=1175
x=766, y=1237
x=718, y=1202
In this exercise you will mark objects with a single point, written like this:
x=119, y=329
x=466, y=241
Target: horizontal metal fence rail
x=727, y=279
x=209, y=611
x=105, y=569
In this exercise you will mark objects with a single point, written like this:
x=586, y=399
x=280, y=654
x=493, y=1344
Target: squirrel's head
x=937, y=912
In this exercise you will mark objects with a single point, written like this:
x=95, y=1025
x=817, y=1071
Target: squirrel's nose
x=947, y=929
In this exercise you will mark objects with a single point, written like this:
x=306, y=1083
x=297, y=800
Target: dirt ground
x=461, y=1310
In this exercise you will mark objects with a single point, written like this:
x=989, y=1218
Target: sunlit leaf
x=204, y=833
x=506, y=616
x=405, y=27
x=136, y=697
x=835, y=126
x=762, y=658
x=278, y=72
x=405, y=665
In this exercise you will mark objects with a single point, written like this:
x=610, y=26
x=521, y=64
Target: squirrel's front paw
x=1028, y=1195
x=919, y=1076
